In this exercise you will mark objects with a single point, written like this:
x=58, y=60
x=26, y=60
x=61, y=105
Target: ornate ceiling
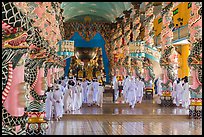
x=106, y=11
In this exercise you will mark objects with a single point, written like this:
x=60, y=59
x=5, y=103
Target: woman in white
x=140, y=90
x=96, y=90
x=84, y=91
x=159, y=87
x=78, y=95
x=90, y=94
x=124, y=92
x=174, y=91
x=186, y=94
x=67, y=99
x=115, y=87
x=48, y=103
x=179, y=91
x=74, y=94
x=131, y=88
x=58, y=102
x=100, y=95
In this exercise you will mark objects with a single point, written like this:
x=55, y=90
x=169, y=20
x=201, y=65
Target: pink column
x=11, y=103
x=133, y=72
x=146, y=72
x=38, y=85
x=49, y=73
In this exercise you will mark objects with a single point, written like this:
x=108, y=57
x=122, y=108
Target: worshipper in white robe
x=131, y=88
x=74, y=94
x=68, y=99
x=64, y=82
x=90, y=94
x=58, y=102
x=100, y=95
x=159, y=86
x=115, y=87
x=125, y=88
x=49, y=103
x=84, y=91
x=179, y=90
x=140, y=90
x=174, y=91
x=78, y=95
x=95, y=90
x=62, y=88
x=185, y=94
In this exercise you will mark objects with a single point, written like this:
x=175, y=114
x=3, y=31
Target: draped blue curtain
x=96, y=41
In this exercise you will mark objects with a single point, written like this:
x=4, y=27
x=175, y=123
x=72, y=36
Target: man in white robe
x=179, y=90
x=74, y=89
x=90, y=94
x=125, y=92
x=49, y=103
x=78, y=95
x=72, y=86
x=67, y=99
x=174, y=91
x=140, y=91
x=115, y=87
x=58, y=102
x=84, y=91
x=131, y=88
x=159, y=87
x=100, y=95
x=96, y=90
x=185, y=94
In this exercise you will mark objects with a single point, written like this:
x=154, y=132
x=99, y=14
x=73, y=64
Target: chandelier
x=136, y=49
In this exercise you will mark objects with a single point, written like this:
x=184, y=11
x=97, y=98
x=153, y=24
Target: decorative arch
x=96, y=41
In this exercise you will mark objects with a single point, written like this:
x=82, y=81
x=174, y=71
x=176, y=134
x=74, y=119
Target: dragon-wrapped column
x=168, y=74
x=195, y=60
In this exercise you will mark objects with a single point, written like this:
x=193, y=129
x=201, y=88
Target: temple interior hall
x=102, y=68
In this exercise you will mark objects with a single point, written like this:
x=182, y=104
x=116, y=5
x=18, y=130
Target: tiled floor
x=147, y=118
x=110, y=125
x=148, y=107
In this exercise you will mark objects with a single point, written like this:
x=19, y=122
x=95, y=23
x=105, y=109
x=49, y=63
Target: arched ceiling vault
x=107, y=10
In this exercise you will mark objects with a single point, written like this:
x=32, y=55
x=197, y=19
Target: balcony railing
x=142, y=50
x=178, y=34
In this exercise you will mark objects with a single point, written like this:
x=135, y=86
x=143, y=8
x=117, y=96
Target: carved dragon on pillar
x=37, y=56
x=136, y=67
x=195, y=62
x=150, y=73
x=166, y=63
x=16, y=33
x=195, y=57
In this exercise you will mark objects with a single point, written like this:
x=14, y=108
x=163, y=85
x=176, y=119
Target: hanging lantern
x=66, y=48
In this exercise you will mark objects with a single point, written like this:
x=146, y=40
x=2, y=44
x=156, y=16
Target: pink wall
x=11, y=102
